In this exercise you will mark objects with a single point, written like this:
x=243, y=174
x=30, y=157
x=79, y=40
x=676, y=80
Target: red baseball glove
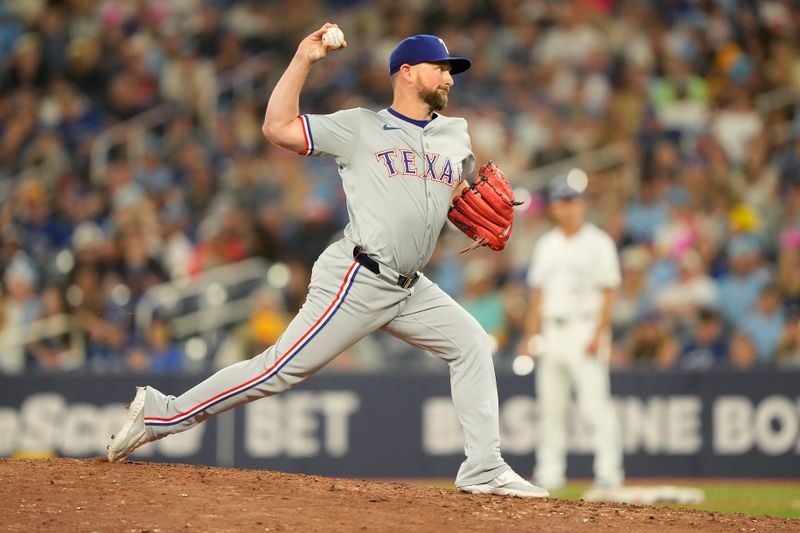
x=484, y=211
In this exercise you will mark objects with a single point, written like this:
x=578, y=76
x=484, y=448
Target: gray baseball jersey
x=398, y=176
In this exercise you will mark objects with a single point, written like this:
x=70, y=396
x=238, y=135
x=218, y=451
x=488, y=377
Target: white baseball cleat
x=132, y=434
x=509, y=483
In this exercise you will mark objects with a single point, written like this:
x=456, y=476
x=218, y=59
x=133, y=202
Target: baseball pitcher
x=403, y=171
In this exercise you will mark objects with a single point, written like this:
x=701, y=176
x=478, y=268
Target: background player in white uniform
x=400, y=168
x=573, y=275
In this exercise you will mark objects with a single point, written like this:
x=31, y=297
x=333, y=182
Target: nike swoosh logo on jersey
x=387, y=127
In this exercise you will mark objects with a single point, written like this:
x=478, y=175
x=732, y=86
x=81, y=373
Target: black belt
x=403, y=281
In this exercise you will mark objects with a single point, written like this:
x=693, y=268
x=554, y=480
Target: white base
x=646, y=495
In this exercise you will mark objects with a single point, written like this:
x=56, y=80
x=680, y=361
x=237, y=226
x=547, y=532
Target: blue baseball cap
x=425, y=49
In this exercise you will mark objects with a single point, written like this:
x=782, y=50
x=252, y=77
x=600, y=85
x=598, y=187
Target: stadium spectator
x=707, y=346
x=736, y=125
x=681, y=300
x=740, y=287
x=756, y=181
x=85, y=70
x=680, y=99
x=189, y=81
x=652, y=344
x=741, y=352
x=268, y=320
x=157, y=353
x=648, y=211
x=682, y=228
x=101, y=324
x=224, y=238
x=27, y=68
x=22, y=305
x=764, y=323
x=53, y=346
x=138, y=268
x=633, y=297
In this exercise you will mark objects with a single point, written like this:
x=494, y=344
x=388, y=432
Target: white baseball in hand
x=334, y=38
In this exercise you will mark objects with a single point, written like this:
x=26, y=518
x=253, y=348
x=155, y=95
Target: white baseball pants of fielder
x=564, y=366
x=345, y=302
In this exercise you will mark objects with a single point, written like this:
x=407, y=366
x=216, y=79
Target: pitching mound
x=93, y=495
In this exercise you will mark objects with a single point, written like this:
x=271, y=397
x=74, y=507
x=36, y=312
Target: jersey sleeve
x=334, y=135
x=607, y=273
x=468, y=165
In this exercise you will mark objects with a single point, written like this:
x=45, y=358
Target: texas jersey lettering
x=433, y=170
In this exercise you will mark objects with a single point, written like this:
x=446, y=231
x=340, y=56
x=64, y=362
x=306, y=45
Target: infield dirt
x=94, y=495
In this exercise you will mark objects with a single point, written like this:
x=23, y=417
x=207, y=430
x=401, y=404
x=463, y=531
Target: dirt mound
x=93, y=495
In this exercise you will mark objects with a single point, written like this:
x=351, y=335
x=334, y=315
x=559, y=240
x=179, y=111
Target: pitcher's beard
x=436, y=99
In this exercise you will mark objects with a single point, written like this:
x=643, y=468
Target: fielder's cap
x=425, y=49
x=568, y=186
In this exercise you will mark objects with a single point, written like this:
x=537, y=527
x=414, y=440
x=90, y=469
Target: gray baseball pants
x=345, y=302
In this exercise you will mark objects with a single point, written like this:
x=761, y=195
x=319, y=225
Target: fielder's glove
x=484, y=211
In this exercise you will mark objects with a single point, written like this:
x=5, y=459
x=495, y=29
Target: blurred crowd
x=698, y=96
